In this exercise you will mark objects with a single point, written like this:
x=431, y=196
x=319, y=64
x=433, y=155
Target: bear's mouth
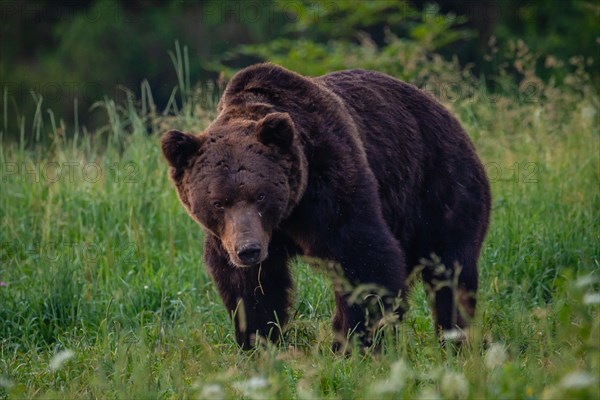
x=248, y=258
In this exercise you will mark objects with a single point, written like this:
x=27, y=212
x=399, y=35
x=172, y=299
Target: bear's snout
x=244, y=237
x=249, y=254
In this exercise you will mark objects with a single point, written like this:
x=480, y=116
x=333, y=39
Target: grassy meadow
x=103, y=293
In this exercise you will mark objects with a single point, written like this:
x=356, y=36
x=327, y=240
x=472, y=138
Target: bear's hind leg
x=453, y=297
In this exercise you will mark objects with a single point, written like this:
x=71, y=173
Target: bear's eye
x=218, y=205
x=260, y=197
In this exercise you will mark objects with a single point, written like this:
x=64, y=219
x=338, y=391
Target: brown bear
x=354, y=167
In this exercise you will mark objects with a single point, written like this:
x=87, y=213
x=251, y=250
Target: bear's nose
x=249, y=254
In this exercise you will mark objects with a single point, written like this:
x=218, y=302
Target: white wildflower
x=212, y=391
x=495, y=356
x=591, y=298
x=453, y=335
x=586, y=280
x=454, y=385
x=385, y=386
x=5, y=382
x=577, y=381
x=251, y=387
x=60, y=358
x=304, y=391
x=396, y=381
x=588, y=113
x=428, y=394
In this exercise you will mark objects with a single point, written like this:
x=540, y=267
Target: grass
x=104, y=293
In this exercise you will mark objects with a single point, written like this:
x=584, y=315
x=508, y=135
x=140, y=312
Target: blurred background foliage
x=75, y=53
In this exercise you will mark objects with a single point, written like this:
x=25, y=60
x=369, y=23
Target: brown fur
x=355, y=167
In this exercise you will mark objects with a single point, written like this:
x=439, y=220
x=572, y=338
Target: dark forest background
x=74, y=53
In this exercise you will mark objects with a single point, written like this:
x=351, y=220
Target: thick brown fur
x=355, y=167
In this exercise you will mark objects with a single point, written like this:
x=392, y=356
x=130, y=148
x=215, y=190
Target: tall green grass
x=104, y=293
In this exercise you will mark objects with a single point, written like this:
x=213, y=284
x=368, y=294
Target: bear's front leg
x=257, y=297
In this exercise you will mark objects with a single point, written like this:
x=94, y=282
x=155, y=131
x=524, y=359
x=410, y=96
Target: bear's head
x=239, y=180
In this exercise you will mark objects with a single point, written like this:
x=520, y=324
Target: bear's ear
x=178, y=147
x=276, y=128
